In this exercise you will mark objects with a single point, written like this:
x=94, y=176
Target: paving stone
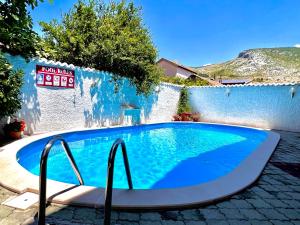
x=62, y=214
x=170, y=215
x=129, y=216
x=252, y=214
x=143, y=222
x=239, y=222
x=241, y=204
x=295, y=222
x=169, y=222
x=292, y=203
x=272, y=214
x=195, y=223
x=217, y=222
x=125, y=222
x=226, y=205
x=276, y=203
x=232, y=214
x=294, y=195
x=5, y=211
x=281, y=222
x=290, y=213
x=262, y=193
x=259, y=203
x=283, y=196
x=150, y=216
x=191, y=215
x=260, y=222
x=9, y=221
x=211, y=214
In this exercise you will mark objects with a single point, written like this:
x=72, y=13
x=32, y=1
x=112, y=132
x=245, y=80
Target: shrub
x=10, y=84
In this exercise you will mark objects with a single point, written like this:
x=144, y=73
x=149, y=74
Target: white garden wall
x=265, y=106
x=93, y=102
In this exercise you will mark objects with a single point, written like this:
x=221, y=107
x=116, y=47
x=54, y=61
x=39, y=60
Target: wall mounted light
x=227, y=92
x=292, y=92
x=157, y=89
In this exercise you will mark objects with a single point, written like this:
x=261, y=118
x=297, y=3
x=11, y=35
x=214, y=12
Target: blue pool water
x=164, y=155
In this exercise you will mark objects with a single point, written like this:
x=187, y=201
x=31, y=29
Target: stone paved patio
x=273, y=199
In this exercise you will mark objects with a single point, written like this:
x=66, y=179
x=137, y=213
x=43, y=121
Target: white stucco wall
x=166, y=105
x=93, y=102
x=265, y=106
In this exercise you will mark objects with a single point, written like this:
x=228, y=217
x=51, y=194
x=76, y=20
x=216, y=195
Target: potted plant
x=15, y=129
x=187, y=116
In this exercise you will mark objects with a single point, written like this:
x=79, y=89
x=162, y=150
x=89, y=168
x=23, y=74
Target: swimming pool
x=172, y=164
x=161, y=156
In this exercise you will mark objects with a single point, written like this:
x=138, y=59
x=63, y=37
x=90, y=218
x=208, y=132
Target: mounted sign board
x=54, y=77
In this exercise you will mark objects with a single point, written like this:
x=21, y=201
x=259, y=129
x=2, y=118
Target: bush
x=10, y=84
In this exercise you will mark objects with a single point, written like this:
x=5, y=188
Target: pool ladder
x=110, y=176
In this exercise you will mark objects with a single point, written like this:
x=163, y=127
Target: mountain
x=267, y=65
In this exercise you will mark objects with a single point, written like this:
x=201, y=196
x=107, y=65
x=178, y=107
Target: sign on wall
x=54, y=77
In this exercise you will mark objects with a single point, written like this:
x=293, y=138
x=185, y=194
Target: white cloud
x=297, y=45
x=208, y=64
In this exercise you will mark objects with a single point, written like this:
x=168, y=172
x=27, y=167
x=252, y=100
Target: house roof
x=176, y=64
x=242, y=81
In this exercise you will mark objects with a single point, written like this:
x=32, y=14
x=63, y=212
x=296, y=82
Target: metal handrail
x=43, y=174
x=110, y=177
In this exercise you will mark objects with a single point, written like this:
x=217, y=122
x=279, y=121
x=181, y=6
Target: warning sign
x=54, y=77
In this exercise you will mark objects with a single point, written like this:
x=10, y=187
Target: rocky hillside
x=260, y=65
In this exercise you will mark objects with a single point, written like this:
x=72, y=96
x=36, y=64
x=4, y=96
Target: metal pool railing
x=110, y=177
x=43, y=174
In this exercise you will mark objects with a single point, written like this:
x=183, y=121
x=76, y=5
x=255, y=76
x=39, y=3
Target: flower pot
x=15, y=134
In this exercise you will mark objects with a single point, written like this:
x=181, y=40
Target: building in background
x=173, y=69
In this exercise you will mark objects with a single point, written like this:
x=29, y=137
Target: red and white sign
x=54, y=77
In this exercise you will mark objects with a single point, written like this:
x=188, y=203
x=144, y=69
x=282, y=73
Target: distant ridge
x=268, y=65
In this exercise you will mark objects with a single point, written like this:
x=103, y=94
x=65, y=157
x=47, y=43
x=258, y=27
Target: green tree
x=184, y=101
x=109, y=37
x=10, y=83
x=16, y=34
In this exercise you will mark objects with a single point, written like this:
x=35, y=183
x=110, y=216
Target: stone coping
x=16, y=178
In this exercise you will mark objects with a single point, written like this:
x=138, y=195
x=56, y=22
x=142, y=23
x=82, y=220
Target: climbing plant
x=183, y=104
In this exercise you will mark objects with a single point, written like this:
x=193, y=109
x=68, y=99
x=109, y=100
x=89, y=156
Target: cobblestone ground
x=273, y=199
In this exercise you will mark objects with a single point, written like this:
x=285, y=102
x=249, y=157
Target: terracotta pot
x=15, y=134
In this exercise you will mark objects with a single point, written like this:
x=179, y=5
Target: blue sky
x=197, y=32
